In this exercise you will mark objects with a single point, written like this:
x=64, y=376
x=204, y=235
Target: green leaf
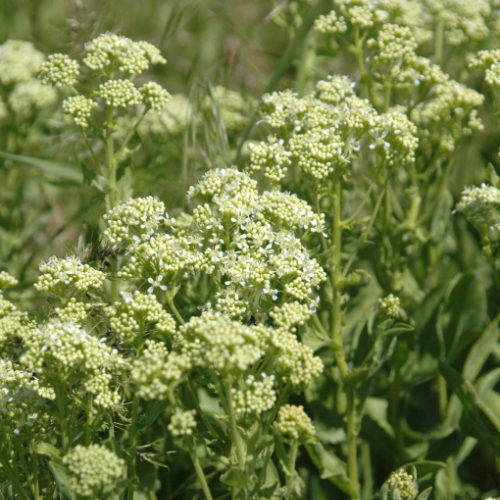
x=330, y=466
x=377, y=409
x=49, y=450
x=481, y=350
x=49, y=167
x=424, y=495
x=235, y=477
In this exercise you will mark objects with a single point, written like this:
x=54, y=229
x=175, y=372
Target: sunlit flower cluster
x=294, y=423
x=404, y=484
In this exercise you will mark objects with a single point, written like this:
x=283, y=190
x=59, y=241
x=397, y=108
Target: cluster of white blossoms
x=156, y=372
x=293, y=423
x=481, y=207
x=390, y=305
x=245, y=239
x=461, y=22
x=93, y=470
x=182, y=423
x=25, y=95
x=60, y=276
x=403, y=484
x=12, y=320
x=254, y=396
x=56, y=351
x=137, y=313
x=116, y=59
x=489, y=62
x=7, y=280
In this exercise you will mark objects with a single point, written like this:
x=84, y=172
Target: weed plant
x=286, y=289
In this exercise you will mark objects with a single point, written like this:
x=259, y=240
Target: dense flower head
x=63, y=348
x=156, y=371
x=93, y=470
x=271, y=157
x=134, y=220
x=29, y=97
x=60, y=275
x=109, y=53
x=74, y=311
x=293, y=423
x=12, y=320
x=290, y=314
x=330, y=24
x=334, y=89
x=215, y=341
x=22, y=401
x=390, y=306
x=119, y=93
x=19, y=61
x=481, y=207
x=255, y=395
x=182, y=423
x=80, y=109
x=7, y=280
x=137, y=312
x=154, y=96
x=403, y=483
x=59, y=70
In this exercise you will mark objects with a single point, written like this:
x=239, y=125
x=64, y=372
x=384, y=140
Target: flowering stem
x=173, y=308
x=201, y=475
x=290, y=473
x=14, y=479
x=337, y=339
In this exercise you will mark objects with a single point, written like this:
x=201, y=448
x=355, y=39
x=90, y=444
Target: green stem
x=91, y=151
x=290, y=473
x=387, y=93
x=439, y=42
x=235, y=436
x=395, y=409
x=173, y=308
x=336, y=278
x=306, y=65
x=132, y=474
x=63, y=418
x=337, y=339
x=201, y=475
x=358, y=52
x=112, y=198
x=442, y=396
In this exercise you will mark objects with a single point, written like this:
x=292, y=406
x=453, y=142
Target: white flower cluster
x=271, y=157
x=119, y=93
x=25, y=95
x=109, y=53
x=325, y=129
x=7, y=280
x=59, y=70
x=136, y=313
x=93, y=470
x=61, y=349
x=156, y=372
x=481, y=207
x=12, y=320
x=245, y=238
x=254, y=396
x=390, y=306
x=489, y=61
x=60, y=275
x=19, y=62
x=293, y=423
x=182, y=423
x=404, y=484
x=289, y=314
x=134, y=221
x=80, y=109
x=74, y=311
x=154, y=96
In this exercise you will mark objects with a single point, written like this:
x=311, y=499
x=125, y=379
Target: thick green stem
x=201, y=475
x=235, y=436
x=132, y=474
x=336, y=278
x=290, y=473
x=336, y=275
x=439, y=42
x=173, y=308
